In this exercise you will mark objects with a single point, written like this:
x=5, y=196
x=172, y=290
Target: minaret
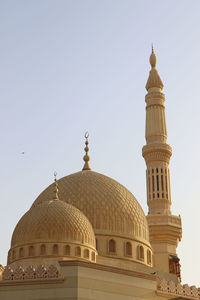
x=165, y=229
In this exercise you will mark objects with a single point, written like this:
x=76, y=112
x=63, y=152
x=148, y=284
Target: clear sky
x=71, y=66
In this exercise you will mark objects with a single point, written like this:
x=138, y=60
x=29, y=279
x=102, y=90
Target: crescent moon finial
x=86, y=157
x=87, y=135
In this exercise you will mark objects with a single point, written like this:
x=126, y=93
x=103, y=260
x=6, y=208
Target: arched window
x=86, y=253
x=128, y=250
x=55, y=249
x=93, y=256
x=43, y=249
x=21, y=252
x=67, y=250
x=140, y=252
x=149, y=257
x=78, y=251
x=96, y=244
x=31, y=251
x=112, y=246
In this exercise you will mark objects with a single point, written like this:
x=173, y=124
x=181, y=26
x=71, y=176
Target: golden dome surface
x=53, y=221
x=108, y=205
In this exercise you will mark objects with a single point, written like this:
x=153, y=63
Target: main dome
x=109, y=206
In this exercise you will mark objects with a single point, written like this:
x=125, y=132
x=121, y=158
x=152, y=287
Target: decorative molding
x=169, y=288
x=39, y=273
x=155, y=95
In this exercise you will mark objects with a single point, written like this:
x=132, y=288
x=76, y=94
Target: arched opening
x=149, y=257
x=112, y=246
x=96, y=244
x=31, y=251
x=21, y=252
x=93, y=256
x=86, y=253
x=42, y=249
x=128, y=250
x=78, y=251
x=67, y=250
x=140, y=252
x=55, y=249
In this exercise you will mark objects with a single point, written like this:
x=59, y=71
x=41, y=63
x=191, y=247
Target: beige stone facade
x=86, y=237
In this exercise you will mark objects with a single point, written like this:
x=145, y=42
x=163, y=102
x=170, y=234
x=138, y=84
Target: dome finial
x=153, y=58
x=154, y=80
x=86, y=157
x=56, y=187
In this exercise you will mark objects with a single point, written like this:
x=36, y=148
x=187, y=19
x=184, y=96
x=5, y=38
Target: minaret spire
x=164, y=228
x=154, y=80
x=86, y=157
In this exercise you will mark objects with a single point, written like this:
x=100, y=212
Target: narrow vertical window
x=78, y=251
x=86, y=253
x=55, y=249
x=67, y=250
x=149, y=257
x=162, y=186
x=153, y=183
x=140, y=252
x=42, y=249
x=149, y=186
x=96, y=244
x=157, y=179
x=31, y=251
x=112, y=246
x=21, y=252
x=93, y=256
x=128, y=249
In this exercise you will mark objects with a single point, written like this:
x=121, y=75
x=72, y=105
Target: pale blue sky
x=71, y=66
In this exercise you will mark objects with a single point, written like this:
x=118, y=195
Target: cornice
x=100, y=267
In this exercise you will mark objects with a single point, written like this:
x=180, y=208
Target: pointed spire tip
x=153, y=58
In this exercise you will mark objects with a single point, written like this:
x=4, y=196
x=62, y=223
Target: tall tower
x=164, y=228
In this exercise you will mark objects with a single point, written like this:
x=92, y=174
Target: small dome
x=108, y=205
x=52, y=224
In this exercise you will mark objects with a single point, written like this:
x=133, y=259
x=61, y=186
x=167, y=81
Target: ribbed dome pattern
x=53, y=221
x=108, y=205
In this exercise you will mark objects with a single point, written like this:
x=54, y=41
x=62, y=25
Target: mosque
x=86, y=237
